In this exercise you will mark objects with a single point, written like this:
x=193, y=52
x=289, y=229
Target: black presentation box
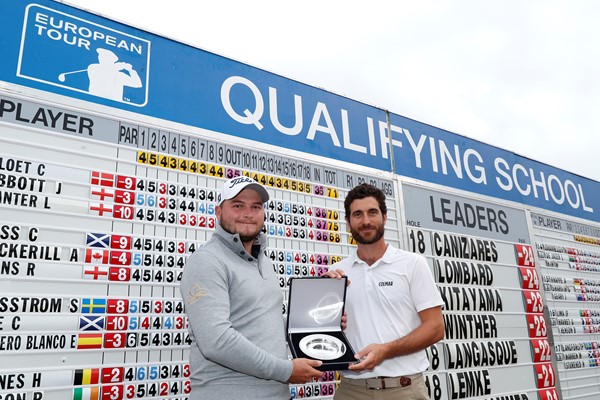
x=315, y=309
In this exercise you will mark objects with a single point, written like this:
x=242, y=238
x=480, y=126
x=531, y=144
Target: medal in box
x=315, y=309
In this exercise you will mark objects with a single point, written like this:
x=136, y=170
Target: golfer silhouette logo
x=108, y=77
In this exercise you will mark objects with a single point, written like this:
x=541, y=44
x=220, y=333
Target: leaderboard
x=496, y=339
x=569, y=254
x=95, y=235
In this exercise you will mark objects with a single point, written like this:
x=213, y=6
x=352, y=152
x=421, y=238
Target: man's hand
x=337, y=274
x=303, y=370
x=334, y=273
x=370, y=357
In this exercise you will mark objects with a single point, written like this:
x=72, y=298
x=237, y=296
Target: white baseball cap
x=234, y=186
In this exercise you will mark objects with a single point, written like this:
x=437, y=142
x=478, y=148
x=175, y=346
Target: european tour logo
x=76, y=54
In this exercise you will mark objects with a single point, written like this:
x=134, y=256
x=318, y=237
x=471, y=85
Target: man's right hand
x=303, y=370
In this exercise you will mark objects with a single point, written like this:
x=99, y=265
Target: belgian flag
x=86, y=376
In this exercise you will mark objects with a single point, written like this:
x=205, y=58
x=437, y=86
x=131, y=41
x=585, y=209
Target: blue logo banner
x=66, y=51
x=56, y=48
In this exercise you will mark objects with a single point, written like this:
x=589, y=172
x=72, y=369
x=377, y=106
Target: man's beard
x=380, y=230
x=244, y=238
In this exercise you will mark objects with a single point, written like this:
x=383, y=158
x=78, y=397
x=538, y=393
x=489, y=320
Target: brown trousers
x=416, y=391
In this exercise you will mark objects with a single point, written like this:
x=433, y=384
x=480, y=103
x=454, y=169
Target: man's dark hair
x=362, y=191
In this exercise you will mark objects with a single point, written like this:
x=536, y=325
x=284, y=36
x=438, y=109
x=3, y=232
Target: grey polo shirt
x=233, y=302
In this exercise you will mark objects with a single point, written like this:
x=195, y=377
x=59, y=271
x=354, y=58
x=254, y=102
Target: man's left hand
x=370, y=357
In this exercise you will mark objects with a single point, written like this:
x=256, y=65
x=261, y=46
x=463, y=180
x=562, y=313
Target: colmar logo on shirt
x=386, y=283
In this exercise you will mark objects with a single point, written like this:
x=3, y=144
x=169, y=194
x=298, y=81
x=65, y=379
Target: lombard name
x=460, y=272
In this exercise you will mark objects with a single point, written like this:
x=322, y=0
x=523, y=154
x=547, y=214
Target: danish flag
x=103, y=179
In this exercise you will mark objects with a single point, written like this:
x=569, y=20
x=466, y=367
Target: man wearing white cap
x=233, y=303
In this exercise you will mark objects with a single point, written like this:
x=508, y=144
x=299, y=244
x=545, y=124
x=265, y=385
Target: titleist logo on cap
x=234, y=186
x=235, y=181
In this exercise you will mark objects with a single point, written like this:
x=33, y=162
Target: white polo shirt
x=382, y=304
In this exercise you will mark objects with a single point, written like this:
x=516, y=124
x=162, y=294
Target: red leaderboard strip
x=123, y=212
x=114, y=340
x=536, y=323
x=120, y=242
x=120, y=257
x=542, y=352
x=112, y=375
x=533, y=300
x=120, y=274
x=548, y=394
x=114, y=392
x=126, y=182
x=124, y=197
x=529, y=278
x=545, y=375
x=525, y=256
x=117, y=306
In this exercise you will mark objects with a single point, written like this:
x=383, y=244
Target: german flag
x=86, y=376
x=89, y=341
x=88, y=393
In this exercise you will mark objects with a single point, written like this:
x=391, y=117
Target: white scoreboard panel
x=95, y=234
x=481, y=257
x=569, y=262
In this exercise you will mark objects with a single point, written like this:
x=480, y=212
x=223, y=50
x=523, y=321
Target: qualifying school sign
x=56, y=48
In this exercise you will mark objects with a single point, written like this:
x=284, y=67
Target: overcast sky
x=518, y=74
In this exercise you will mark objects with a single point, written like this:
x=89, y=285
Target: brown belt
x=383, y=382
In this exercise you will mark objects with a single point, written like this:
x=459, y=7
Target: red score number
x=548, y=394
x=533, y=300
x=537, y=326
x=541, y=350
x=117, y=306
x=112, y=375
x=114, y=340
x=529, y=278
x=114, y=392
x=545, y=375
x=525, y=256
x=126, y=182
x=120, y=242
x=117, y=322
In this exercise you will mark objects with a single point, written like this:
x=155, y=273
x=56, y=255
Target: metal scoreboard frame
x=106, y=188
